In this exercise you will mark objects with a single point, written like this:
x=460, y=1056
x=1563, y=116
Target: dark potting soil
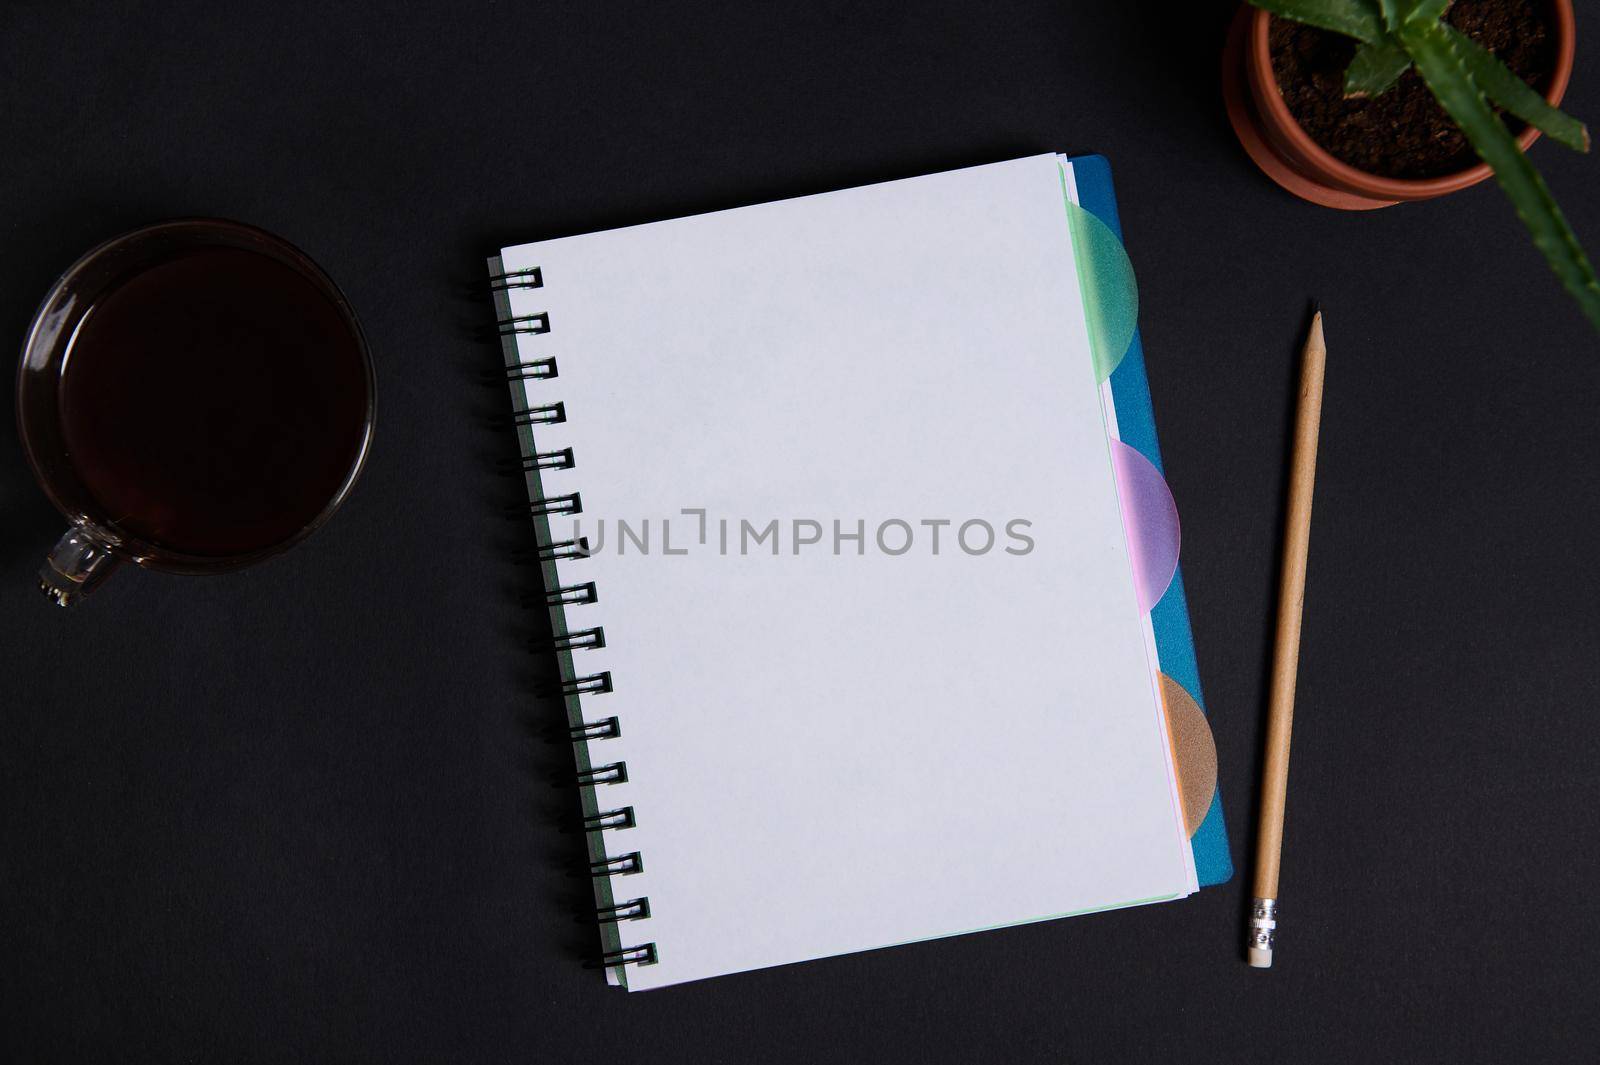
x=1403, y=133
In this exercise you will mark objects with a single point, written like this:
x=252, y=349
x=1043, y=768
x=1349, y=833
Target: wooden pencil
x=1286, y=651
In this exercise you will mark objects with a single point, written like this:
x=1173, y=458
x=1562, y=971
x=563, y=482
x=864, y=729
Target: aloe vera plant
x=1395, y=35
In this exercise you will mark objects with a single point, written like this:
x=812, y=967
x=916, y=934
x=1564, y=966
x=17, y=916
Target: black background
x=303, y=812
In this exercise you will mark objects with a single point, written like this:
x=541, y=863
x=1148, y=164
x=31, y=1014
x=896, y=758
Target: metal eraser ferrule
x=1263, y=930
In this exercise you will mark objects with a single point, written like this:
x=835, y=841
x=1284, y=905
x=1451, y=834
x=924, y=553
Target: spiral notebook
x=849, y=640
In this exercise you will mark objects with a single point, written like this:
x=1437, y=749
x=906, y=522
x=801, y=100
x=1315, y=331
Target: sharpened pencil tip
x=1314, y=333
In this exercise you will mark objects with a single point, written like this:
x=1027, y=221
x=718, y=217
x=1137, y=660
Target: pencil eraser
x=1260, y=958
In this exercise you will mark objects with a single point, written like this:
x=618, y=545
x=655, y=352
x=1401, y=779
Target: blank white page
x=832, y=752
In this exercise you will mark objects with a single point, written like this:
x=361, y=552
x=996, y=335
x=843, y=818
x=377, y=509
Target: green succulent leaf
x=1353, y=18
x=1422, y=10
x=1444, y=68
x=1512, y=93
x=1397, y=12
x=1375, y=67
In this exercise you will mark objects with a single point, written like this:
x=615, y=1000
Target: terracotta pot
x=1290, y=157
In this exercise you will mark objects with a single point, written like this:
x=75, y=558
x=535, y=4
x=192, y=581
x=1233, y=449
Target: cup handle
x=78, y=564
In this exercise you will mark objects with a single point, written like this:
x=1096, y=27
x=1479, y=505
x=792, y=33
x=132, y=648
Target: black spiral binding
x=533, y=277
x=523, y=371
x=609, y=729
x=611, y=819
x=524, y=323
x=562, y=549
x=622, y=865
x=615, y=773
x=576, y=595
x=541, y=460
x=537, y=370
x=645, y=955
x=593, y=684
x=572, y=503
x=554, y=414
x=634, y=910
x=584, y=639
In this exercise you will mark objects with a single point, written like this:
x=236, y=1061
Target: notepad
x=842, y=597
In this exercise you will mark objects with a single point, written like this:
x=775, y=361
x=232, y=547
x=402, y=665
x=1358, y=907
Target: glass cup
x=97, y=541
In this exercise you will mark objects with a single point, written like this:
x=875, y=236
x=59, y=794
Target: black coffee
x=213, y=404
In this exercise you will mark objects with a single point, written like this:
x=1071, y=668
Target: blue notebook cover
x=1130, y=389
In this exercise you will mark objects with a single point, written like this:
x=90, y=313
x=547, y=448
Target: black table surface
x=304, y=812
